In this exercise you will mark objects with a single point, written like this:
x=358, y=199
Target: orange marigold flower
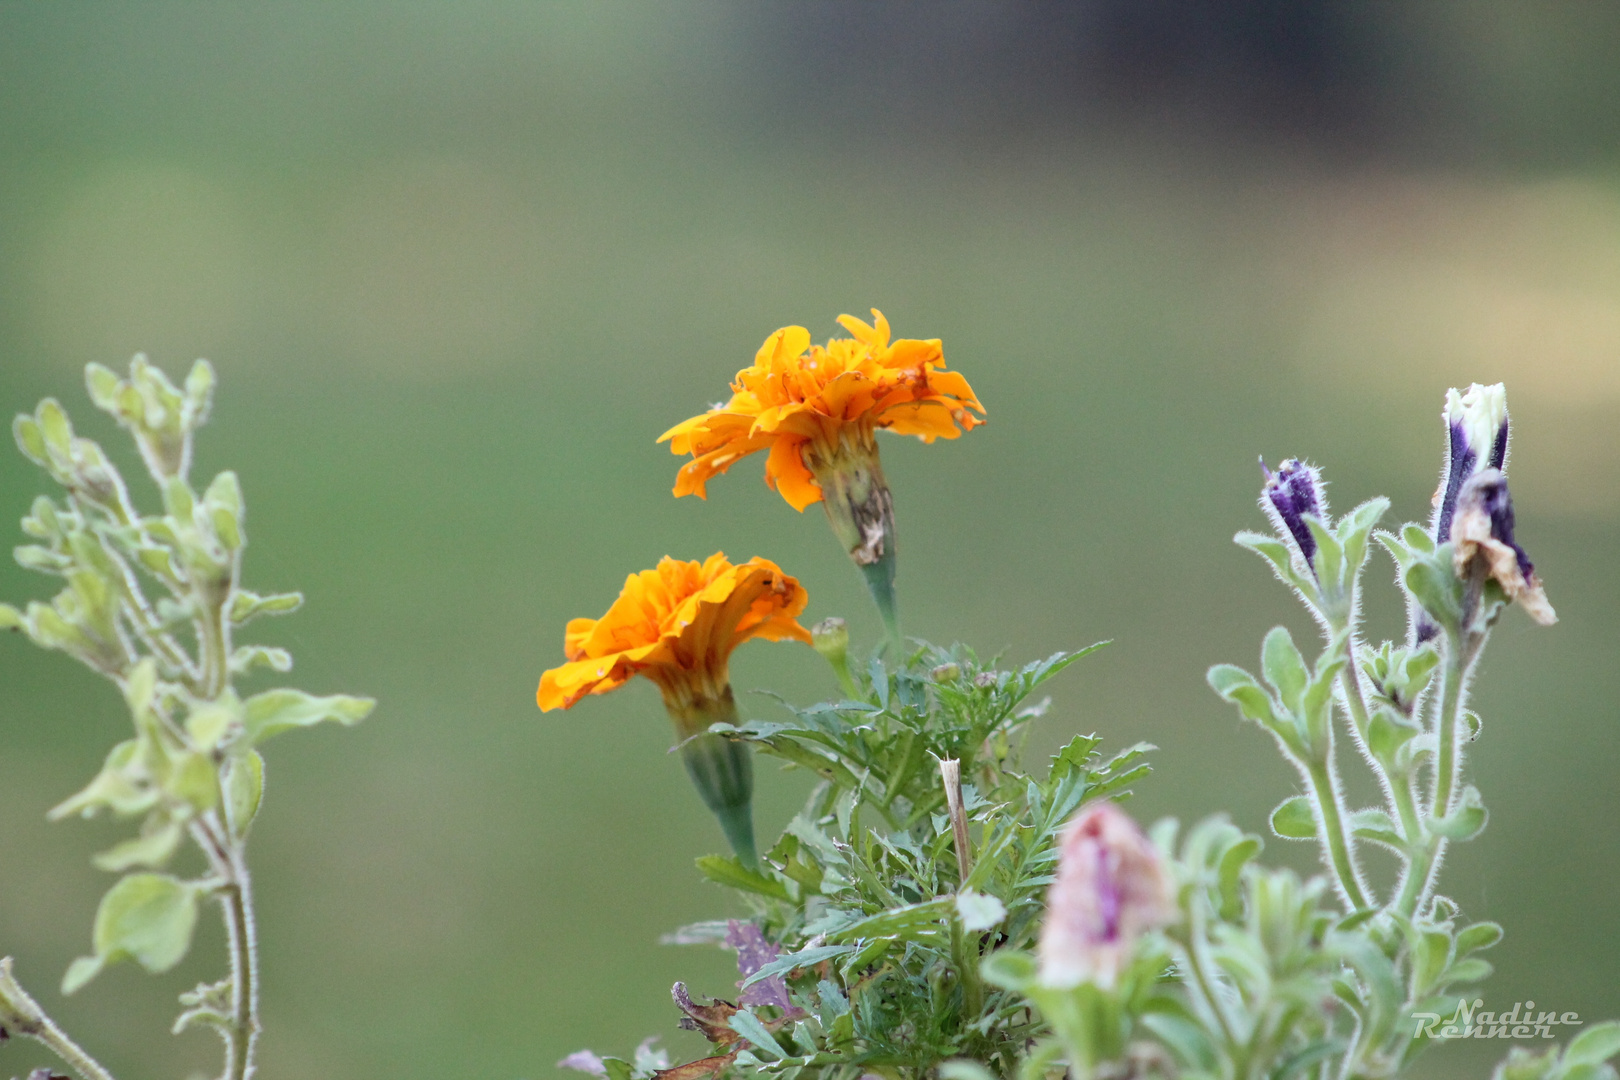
x=677, y=625
x=813, y=405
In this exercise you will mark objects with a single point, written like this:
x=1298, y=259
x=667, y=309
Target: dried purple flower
x=753, y=953
x=1111, y=887
x=1482, y=529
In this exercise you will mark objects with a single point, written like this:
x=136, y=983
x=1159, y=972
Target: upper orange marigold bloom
x=824, y=400
x=677, y=625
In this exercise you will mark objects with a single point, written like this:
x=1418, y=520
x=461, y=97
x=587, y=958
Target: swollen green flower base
x=723, y=772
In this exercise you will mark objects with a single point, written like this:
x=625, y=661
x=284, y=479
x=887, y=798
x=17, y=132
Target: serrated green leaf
x=727, y=871
x=906, y=921
x=750, y=1027
x=274, y=711
x=804, y=958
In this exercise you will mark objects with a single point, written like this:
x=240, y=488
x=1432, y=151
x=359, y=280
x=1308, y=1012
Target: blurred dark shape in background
x=1424, y=84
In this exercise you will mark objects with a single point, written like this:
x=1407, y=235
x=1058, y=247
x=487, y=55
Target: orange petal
x=928, y=419
x=786, y=472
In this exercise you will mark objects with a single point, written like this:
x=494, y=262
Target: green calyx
x=723, y=771
x=861, y=512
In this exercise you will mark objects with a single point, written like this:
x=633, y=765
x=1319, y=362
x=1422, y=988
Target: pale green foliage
x=151, y=601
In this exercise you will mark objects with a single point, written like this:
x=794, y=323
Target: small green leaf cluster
x=152, y=601
x=1585, y=1058
x=883, y=924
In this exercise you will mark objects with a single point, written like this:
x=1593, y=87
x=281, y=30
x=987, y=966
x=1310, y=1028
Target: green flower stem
x=1325, y=788
x=1465, y=643
x=965, y=955
x=846, y=681
x=1203, y=983
x=1448, y=717
x=20, y=1014
x=1445, y=766
x=880, y=583
x=721, y=769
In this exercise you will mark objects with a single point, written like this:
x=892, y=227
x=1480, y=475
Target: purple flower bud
x=1482, y=529
x=1290, y=493
x=1111, y=887
x=1476, y=439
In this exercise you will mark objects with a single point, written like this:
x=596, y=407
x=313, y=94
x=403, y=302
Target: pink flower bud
x=1111, y=887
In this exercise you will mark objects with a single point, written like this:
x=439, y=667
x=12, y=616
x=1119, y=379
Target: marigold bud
x=1111, y=887
x=830, y=637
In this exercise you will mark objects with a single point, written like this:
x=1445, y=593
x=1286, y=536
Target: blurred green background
x=459, y=264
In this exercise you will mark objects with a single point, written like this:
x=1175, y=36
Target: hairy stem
x=235, y=895
x=1445, y=766
x=1329, y=804
x=20, y=1014
x=242, y=934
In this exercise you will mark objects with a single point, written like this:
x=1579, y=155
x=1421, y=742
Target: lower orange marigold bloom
x=677, y=625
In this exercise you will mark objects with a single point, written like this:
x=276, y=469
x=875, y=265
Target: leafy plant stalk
x=193, y=767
